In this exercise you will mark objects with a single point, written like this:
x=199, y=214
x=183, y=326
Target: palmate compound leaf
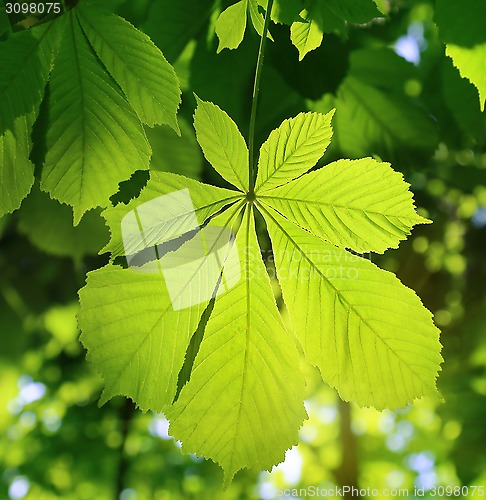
x=25, y=60
x=243, y=404
x=137, y=323
x=370, y=336
x=147, y=79
x=235, y=401
x=359, y=204
x=292, y=149
x=95, y=138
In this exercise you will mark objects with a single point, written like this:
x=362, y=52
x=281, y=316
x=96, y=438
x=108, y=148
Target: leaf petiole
x=254, y=103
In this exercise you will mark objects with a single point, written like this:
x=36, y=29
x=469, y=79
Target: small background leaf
x=231, y=24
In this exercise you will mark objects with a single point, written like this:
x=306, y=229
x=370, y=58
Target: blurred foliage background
x=398, y=97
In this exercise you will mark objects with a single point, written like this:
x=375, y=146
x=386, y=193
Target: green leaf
x=370, y=121
x=243, y=405
x=133, y=336
x=171, y=25
x=49, y=226
x=306, y=34
x=461, y=98
x=257, y=18
x=293, y=148
x=359, y=204
x=356, y=12
x=370, y=336
x=222, y=143
x=285, y=11
x=25, y=60
x=4, y=21
x=181, y=155
x=207, y=201
x=470, y=31
x=16, y=170
x=231, y=24
x=382, y=68
x=471, y=63
x=137, y=322
x=146, y=78
x=95, y=140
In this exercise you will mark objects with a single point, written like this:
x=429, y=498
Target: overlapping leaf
x=206, y=200
x=466, y=47
x=25, y=60
x=231, y=24
x=329, y=16
x=95, y=138
x=307, y=34
x=135, y=334
x=471, y=63
x=147, y=79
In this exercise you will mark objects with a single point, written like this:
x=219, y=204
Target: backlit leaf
x=222, y=143
x=293, y=148
x=242, y=406
x=146, y=78
x=95, y=139
x=471, y=63
x=370, y=336
x=231, y=24
x=306, y=34
x=360, y=204
x=25, y=60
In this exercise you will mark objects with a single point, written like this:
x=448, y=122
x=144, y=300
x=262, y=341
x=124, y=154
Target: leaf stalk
x=254, y=103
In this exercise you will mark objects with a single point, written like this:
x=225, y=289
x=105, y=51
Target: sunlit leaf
x=242, y=406
x=370, y=336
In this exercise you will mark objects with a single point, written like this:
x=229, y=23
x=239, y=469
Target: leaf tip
x=228, y=478
x=78, y=215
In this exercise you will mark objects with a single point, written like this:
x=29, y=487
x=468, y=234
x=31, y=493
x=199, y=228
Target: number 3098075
x=33, y=8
